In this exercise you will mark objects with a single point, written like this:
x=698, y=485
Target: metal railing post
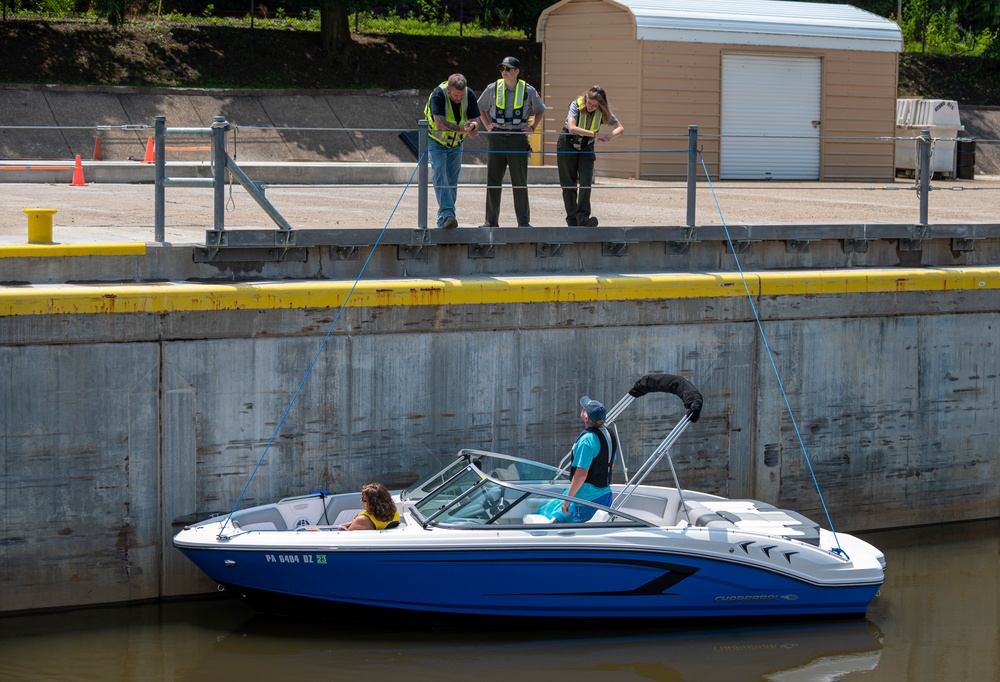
x=219, y=128
x=159, y=172
x=422, y=128
x=692, y=173
x=925, y=173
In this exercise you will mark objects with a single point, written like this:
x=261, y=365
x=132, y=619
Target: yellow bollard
x=535, y=140
x=40, y=225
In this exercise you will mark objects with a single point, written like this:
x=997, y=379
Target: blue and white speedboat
x=471, y=542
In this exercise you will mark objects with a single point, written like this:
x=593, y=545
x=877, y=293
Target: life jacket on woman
x=595, y=118
x=448, y=138
x=380, y=525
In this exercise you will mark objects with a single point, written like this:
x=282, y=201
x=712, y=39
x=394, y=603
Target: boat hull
x=555, y=583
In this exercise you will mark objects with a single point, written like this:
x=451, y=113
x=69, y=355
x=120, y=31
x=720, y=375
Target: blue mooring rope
x=322, y=345
x=770, y=356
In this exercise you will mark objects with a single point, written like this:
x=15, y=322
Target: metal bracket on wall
x=855, y=245
x=741, y=246
x=411, y=252
x=679, y=248
x=481, y=251
x=234, y=246
x=961, y=245
x=216, y=238
x=796, y=246
x=910, y=245
x=346, y=253
x=614, y=249
x=548, y=250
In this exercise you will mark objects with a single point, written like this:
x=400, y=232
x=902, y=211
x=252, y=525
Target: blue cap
x=594, y=409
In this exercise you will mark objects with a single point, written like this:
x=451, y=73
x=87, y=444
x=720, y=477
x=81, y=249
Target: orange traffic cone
x=150, y=153
x=98, y=154
x=78, y=174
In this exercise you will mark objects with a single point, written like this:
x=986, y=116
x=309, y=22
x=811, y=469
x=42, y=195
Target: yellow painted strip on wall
x=52, y=250
x=184, y=296
x=824, y=282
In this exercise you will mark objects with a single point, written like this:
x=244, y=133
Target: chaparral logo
x=756, y=598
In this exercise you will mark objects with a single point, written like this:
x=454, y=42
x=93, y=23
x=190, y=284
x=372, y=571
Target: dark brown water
x=936, y=618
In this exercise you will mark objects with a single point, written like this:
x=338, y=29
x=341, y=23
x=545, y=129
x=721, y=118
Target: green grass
x=361, y=22
x=366, y=22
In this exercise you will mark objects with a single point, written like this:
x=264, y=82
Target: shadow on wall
x=984, y=125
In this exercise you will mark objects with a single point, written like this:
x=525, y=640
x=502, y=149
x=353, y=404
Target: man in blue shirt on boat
x=594, y=455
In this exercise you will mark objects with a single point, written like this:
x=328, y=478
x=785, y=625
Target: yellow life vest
x=516, y=116
x=447, y=138
x=379, y=525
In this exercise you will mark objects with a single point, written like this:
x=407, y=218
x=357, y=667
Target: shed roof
x=778, y=23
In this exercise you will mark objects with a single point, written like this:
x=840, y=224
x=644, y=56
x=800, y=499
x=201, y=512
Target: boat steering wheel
x=493, y=502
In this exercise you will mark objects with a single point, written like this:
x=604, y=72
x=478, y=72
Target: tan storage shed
x=779, y=90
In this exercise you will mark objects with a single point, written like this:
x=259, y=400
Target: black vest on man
x=599, y=473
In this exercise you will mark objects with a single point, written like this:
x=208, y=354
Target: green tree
x=335, y=28
x=948, y=27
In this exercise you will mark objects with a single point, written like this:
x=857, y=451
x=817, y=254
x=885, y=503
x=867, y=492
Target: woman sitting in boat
x=380, y=511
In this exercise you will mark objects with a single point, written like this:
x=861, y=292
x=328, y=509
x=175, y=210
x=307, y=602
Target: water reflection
x=935, y=619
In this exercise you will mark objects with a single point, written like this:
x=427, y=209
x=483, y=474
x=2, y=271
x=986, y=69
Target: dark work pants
x=507, y=151
x=576, y=169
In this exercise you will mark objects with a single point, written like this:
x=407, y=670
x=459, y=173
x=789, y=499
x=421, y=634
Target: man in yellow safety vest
x=452, y=113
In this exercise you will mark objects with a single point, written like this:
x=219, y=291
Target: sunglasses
x=597, y=91
x=507, y=68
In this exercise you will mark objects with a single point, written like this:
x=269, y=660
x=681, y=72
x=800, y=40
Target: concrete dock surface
x=125, y=212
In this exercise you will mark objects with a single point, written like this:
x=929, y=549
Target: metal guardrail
x=222, y=162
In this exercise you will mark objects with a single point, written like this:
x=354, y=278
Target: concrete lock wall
x=118, y=427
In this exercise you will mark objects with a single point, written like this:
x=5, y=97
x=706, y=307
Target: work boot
x=489, y=224
x=590, y=222
x=449, y=223
x=524, y=225
x=571, y=222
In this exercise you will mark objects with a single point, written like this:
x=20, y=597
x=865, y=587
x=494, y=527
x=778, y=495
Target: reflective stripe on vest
x=447, y=137
x=501, y=103
x=595, y=118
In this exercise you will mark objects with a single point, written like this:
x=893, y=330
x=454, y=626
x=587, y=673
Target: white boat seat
x=644, y=515
x=536, y=518
x=267, y=518
x=346, y=516
x=700, y=515
x=263, y=525
x=506, y=473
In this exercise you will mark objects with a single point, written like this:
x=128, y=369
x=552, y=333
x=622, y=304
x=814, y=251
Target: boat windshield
x=502, y=467
x=472, y=496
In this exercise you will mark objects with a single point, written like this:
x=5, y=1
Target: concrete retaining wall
x=58, y=122
x=117, y=427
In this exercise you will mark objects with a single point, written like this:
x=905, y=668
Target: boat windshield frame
x=471, y=498
x=418, y=490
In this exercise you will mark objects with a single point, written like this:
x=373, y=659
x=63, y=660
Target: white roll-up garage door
x=770, y=117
